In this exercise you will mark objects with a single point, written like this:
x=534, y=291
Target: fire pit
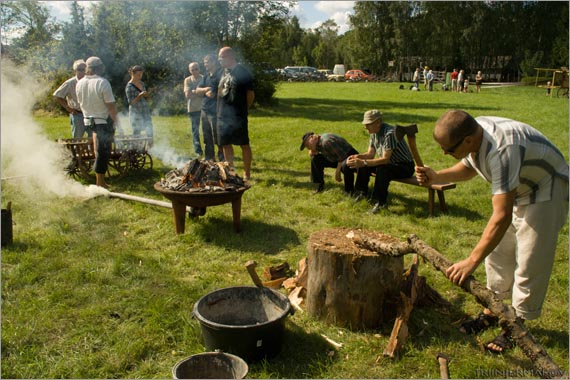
x=201, y=200
x=199, y=184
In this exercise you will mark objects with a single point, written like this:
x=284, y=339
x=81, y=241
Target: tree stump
x=348, y=285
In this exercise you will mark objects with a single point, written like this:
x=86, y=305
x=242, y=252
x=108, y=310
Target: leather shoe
x=319, y=188
x=377, y=207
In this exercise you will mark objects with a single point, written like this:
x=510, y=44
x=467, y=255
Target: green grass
x=104, y=288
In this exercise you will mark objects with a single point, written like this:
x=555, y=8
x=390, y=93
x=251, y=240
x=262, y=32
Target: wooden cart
x=128, y=153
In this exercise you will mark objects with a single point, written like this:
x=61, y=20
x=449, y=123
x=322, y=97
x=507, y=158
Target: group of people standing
x=220, y=100
x=459, y=80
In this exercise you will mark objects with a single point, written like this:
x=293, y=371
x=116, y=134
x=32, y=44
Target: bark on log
x=350, y=286
x=507, y=316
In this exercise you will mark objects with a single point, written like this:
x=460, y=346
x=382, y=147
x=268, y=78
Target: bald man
x=529, y=185
x=235, y=97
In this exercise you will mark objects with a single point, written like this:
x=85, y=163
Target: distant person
x=466, y=84
x=66, y=96
x=139, y=110
x=478, y=81
x=235, y=97
x=430, y=78
x=387, y=157
x=548, y=88
x=453, y=77
x=329, y=151
x=460, y=81
x=194, y=104
x=97, y=102
x=425, y=77
x=416, y=78
x=208, y=88
x=529, y=196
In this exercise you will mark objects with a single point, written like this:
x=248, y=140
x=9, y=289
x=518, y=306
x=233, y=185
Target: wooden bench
x=439, y=187
x=410, y=132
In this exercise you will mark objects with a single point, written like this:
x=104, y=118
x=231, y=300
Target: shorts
x=234, y=132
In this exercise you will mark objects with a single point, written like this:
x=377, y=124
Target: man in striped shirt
x=529, y=188
x=394, y=160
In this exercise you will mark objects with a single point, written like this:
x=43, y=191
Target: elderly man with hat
x=394, y=160
x=329, y=151
x=97, y=102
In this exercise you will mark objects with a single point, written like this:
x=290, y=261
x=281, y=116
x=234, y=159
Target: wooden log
x=507, y=315
x=399, y=334
x=349, y=286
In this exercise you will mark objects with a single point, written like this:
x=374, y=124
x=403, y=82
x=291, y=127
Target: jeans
x=78, y=128
x=210, y=133
x=195, y=122
x=103, y=138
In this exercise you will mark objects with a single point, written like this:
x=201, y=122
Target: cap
x=94, y=62
x=305, y=137
x=371, y=116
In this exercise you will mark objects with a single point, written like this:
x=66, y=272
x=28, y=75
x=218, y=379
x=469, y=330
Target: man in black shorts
x=235, y=96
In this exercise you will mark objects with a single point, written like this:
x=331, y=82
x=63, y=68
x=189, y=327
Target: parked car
x=337, y=74
x=358, y=75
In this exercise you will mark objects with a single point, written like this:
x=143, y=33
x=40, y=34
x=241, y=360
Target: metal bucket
x=6, y=225
x=210, y=365
x=244, y=320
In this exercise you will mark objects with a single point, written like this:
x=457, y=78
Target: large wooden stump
x=348, y=285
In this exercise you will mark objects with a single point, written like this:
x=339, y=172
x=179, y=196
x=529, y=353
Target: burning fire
x=202, y=175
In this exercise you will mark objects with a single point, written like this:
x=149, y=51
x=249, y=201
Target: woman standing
x=478, y=81
x=139, y=111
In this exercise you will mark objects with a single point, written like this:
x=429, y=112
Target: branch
x=507, y=315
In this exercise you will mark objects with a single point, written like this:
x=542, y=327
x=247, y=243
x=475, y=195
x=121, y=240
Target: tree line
x=504, y=39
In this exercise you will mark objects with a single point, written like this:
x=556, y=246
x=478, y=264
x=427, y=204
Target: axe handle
x=415, y=151
x=250, y=266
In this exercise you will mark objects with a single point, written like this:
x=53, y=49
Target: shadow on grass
x=255, y=236
x=412, y=204
x=303, y=356
x=342, y=110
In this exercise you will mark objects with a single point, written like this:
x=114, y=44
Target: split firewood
x=303, y=273
x=297, y=297
x=507, y=315
x=274, y=284
x=274, y=272
x=290, y=284
x=408, y=296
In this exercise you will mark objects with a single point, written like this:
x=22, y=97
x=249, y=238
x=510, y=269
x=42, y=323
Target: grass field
x=104, y=288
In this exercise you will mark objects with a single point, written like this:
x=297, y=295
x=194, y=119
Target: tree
x=29, y=29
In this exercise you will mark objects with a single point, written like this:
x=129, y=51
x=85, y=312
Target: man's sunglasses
x=452, y=149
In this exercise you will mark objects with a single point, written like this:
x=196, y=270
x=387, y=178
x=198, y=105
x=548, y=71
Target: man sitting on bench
x=394, y=160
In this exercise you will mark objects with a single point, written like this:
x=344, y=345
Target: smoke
x=162, y=150
x=36, y=163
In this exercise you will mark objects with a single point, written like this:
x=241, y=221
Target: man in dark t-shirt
x=235, y=96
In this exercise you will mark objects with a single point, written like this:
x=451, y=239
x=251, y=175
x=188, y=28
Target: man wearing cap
x=66, y=96
x=394, y=160
x=329, y=151
x=97, y=102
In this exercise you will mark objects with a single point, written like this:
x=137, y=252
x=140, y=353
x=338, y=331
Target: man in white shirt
x=97, y=102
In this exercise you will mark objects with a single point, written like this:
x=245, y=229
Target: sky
x=310, y=13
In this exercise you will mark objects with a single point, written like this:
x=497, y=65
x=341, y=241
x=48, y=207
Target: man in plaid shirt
x=329, y=151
